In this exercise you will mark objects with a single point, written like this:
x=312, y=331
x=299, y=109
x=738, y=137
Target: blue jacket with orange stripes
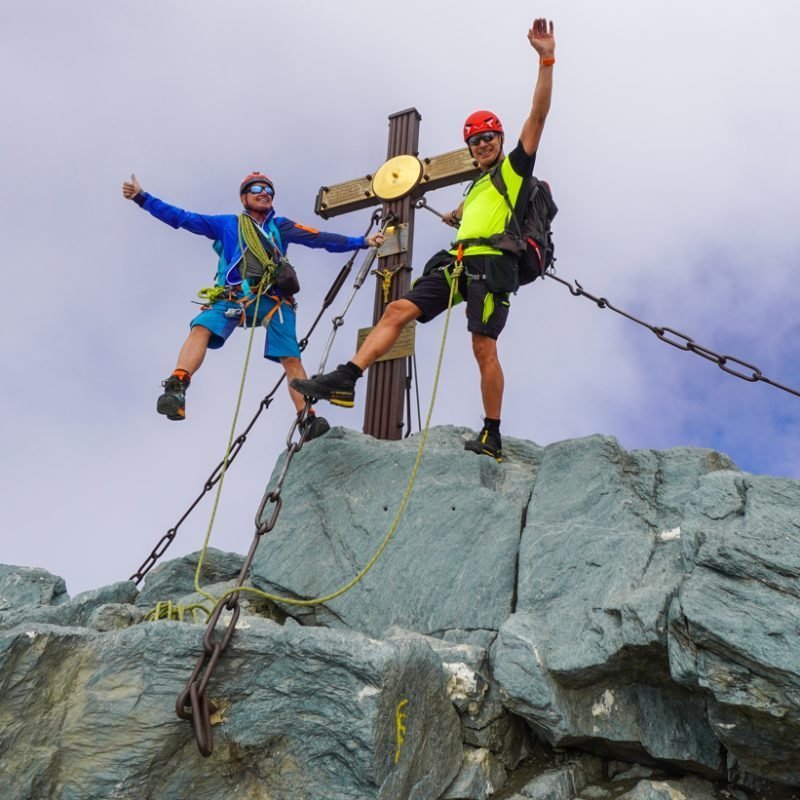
x=223, y=229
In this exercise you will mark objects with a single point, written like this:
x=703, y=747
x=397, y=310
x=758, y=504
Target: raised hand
x=131, y=188
x=542, y=40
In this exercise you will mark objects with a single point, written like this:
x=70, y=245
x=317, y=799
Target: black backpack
x=532, y=240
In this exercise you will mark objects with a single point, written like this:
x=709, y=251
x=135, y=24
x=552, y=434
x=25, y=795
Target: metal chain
x=193, y=702
x=166, y=540
x=750, y=373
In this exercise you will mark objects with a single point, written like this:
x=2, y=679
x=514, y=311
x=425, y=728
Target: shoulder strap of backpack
x=276, y=234
x=496, y=177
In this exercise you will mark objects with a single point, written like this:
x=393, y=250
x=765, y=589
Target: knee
x=290, y=362
x=484, y=348
x=200, y=334
x=398, y=312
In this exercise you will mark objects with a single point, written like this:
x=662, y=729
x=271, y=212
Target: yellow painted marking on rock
x=399, y=716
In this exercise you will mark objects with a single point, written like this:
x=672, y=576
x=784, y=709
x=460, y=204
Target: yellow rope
x=245, y=230
x=457, y=269
x=453, y=280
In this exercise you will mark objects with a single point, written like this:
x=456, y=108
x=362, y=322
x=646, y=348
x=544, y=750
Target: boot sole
x=343, y=402
x=481, y=451
x=341, y=399
x=170, y=408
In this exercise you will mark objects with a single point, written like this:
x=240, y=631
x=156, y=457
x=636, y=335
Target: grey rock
x=29, y=586
x=735, y=625
x=685, y=789
x=486, y=723
x=114, y=616
x=556, y=784
x=464, y=511
x=622, y=771
x=303, y=714
x=508, y=737
x=474, y=656
x=637, y=605
x=77, y=612
x=584, y=659
x=466, y=688
x=481, y=775
x=595, y=793
x=174, y=579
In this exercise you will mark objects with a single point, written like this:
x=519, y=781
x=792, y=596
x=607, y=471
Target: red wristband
x=546, y=62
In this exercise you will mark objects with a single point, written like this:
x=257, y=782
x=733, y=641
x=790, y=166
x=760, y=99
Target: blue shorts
x=281, y=339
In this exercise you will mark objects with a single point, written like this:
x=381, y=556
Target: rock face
x=304, y=713
x=640, y=606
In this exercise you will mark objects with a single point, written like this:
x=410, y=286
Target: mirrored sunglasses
x=259, y=189
x=477, y=138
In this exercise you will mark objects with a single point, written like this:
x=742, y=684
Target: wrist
x=547, y=61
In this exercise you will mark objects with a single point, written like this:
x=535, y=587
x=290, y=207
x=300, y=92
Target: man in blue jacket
x=253, y=273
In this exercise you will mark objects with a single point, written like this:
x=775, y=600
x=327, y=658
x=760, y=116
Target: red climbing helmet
x=480, y=121
x=255, y=177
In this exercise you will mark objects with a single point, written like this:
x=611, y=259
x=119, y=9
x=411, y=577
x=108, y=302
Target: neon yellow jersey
x=485, y=210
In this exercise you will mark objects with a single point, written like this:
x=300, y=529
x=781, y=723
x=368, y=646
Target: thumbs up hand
x=131, y=188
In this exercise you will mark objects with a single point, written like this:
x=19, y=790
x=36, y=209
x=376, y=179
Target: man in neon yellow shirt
x=489, y=275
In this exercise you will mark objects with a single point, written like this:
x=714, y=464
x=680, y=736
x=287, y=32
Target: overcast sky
x=671, y=148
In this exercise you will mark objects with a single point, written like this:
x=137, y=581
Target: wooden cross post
x=388, y=378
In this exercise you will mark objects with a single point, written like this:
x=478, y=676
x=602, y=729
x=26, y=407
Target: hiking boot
x=486, y=444
x=315, y=427
x=172, y=404
x=337, y=387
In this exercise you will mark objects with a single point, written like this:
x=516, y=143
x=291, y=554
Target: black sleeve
x=521, y=161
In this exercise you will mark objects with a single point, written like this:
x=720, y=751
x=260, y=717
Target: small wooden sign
x=403, y=347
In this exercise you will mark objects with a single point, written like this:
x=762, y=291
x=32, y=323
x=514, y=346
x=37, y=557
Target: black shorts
x=487, y=311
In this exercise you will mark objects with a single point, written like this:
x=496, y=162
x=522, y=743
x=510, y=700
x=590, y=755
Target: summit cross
x=389, y=379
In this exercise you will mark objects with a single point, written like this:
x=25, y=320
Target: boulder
x=451, y=563
x=302, y=713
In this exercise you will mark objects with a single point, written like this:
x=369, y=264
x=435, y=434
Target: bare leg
x=492, y=381
x=385, y=333
x=194, y=349
x=294, y=369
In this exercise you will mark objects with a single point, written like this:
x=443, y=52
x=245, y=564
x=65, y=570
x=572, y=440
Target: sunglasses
x=259, y=189
x=477, y=138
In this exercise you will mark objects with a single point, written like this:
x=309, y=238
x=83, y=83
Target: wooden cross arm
x=438, y=171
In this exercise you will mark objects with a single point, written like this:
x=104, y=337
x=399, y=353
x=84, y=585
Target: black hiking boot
x=337, y=387
x=486, y=444
x=315, y=427
x=172, y=404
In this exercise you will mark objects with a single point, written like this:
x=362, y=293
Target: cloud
x=670, y=148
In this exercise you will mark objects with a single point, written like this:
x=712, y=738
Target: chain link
x=681, y=341
x=166, y=540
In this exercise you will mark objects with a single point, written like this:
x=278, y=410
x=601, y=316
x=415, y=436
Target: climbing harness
x=193, y=703
x=213, y=479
